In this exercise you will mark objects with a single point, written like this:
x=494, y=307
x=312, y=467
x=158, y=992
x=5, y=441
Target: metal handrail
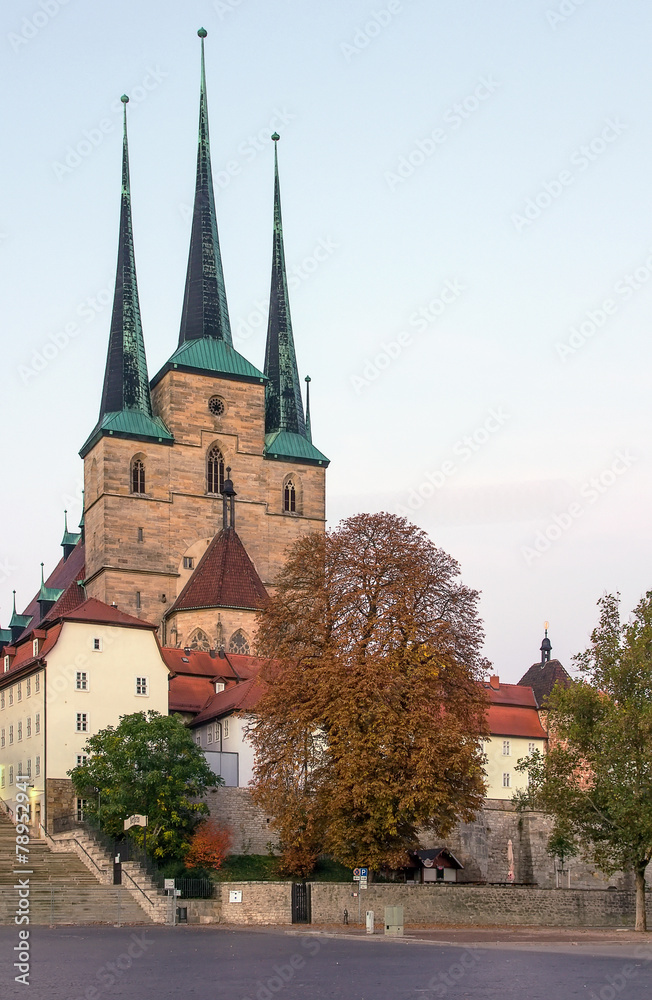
x=7, y=808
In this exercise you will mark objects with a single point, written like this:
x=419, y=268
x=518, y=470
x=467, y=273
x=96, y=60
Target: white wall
x=499, y=763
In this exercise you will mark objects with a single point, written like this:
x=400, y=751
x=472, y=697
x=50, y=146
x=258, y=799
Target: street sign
x=169, y=884
x=135, y=820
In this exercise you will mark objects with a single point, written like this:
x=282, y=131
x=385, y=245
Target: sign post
x=360, y=876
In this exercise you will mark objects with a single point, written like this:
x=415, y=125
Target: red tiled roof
x=236, y=698
x=515, y=721
x=189, y=694
x=510, y=694
x=25, y=656
x=63, y=574
x=72, y=597
x=99, y=613
x=225, y=578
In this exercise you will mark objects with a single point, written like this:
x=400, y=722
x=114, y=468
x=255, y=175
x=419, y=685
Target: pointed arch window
x=215, y=471
x=290, y=497
x=137, y=475
x=199, y=640
x=239, y=643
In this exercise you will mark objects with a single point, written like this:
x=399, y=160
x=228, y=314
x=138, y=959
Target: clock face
x=216, y=406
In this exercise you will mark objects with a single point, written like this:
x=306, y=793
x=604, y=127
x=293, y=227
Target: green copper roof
x=212, y=357
x=69, y=537
x=5, y=636
x=20, y=620
x=205, y=312
x=49, y=593
x=129, y=424
x=126, y=407
x=285, y=444
x=283, y=405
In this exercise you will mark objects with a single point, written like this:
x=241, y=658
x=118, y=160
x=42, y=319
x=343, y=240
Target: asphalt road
x=89, y=963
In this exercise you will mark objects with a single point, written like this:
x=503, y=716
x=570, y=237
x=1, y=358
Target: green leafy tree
x=371, y=723
x=147, y=764
x=596, y=779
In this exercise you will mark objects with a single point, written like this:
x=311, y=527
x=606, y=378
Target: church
x=195, y=484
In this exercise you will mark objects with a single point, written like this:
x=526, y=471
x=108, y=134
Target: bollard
x=370, y=921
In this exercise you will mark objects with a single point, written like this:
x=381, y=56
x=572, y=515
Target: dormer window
x=35, y=647
x=219, y=686
x=7, y=662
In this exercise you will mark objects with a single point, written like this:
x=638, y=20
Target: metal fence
x=194, y=888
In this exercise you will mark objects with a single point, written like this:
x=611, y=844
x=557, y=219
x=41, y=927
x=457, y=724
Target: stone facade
x=60, y=800
x=251, y=827
x=176, y=516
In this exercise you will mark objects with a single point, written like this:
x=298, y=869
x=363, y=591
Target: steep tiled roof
x=99, y=613
x=516, y=720
x=72, y=597
x=236, y=698
x=64, y=573
x=189, y=694
x=510, y=694
x=224, y=578
x=25, y=654
x=542, y=677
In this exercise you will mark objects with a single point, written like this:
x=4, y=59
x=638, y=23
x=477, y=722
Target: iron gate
x=300, y=903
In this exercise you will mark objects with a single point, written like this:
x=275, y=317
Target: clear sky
x=468, y=230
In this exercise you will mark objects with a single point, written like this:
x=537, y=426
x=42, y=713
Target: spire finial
x=546, y=645
x=308, y=380
x=14, y=602
x=65, y=520
x=205, y=312
x=42, y=578
x=283, y=403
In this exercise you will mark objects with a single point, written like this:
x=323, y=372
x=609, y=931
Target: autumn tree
x=209, y=845
x=148, y=764
x=371, y=723
x=596, y=779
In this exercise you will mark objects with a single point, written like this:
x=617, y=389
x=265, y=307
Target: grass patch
x=264, y=868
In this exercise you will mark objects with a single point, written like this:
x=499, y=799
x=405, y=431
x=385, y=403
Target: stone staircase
x=62, y=889
x=135, y=880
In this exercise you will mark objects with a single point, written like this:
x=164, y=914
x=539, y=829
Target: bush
x=209, y=845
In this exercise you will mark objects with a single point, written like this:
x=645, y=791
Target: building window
x=81, y=759
x=19, y=691
x=216, y=406
x=37, y=723
x=138, y=604
x=11, y=774
x=198, y=739
x=28, y=687
x=37, y=766
x=97, y=645
x=505, y=748
x=82, y=722
x=141, y=686
x=28, y=727
x=289, y=497
x=141, y=535
x=19, y=771
x=188, y=562
x=37, y=683
x=225, y=729
x=506, y=779
x=2, y=738
x=199, y=640
x=531, y=747
x=20, y=731
x=29, y=767
x=11, y=695
x=2, y=777
x=6, y=662
x=35, y=647
x=81, y=805
x=209, y=734
x=239, y=643
x=215, y=471
x=2, y=699
x=137, y=476
x=82, y=680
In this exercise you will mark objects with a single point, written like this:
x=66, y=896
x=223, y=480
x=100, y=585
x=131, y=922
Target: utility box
x=394, y=920
x=370, y=921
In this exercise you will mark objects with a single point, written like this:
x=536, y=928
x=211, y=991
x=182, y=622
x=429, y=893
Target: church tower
x=155, y=466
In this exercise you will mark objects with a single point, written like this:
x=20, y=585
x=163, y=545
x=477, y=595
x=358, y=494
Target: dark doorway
x=300, y=903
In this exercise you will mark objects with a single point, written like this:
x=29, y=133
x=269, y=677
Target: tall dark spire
x=308, y=380
x=283, y=406
x=205, y=312
x=126, y=407
x=126, y=386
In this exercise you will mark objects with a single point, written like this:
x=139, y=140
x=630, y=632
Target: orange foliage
x=210, y=844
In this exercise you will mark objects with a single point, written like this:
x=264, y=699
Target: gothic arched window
x=199, y=640
x=137, y=476
x=290, y=497
x=239, y=643
x=215, y=471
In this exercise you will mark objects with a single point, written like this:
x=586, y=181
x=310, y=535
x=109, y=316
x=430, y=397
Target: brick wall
x=262, y=903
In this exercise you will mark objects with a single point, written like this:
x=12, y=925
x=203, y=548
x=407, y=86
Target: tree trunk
x=641, y=922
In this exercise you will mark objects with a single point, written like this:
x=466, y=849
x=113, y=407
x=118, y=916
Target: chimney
x=494, y=682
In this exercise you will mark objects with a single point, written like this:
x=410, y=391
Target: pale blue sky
x=416, y=139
